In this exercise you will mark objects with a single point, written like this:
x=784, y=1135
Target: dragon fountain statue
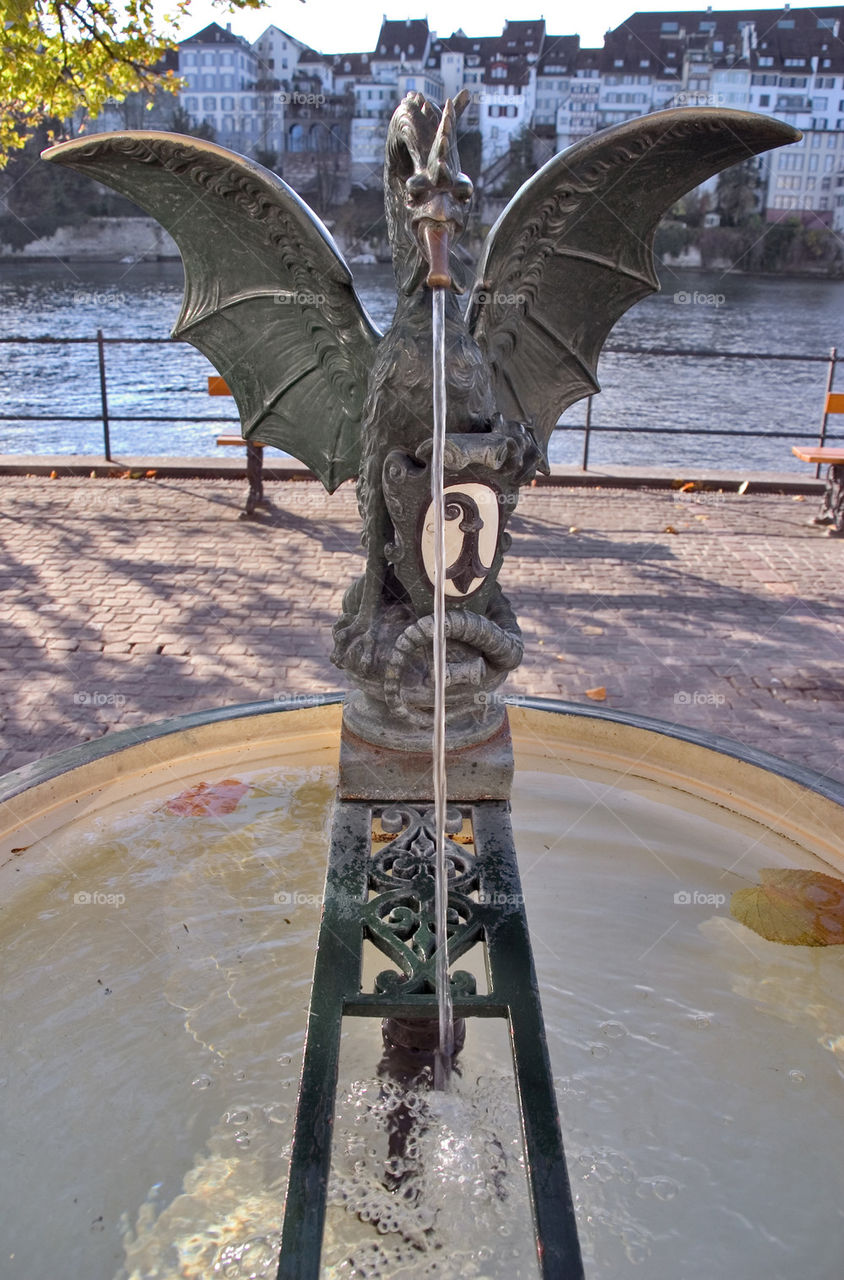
x=271, y=303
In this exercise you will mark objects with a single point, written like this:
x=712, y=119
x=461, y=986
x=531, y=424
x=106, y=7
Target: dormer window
x=619, y=62
x=410, y=49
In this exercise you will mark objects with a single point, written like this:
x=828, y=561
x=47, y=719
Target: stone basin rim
x=52, y=766
x=793, y=801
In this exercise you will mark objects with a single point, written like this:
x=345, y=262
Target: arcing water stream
x=442, y=1062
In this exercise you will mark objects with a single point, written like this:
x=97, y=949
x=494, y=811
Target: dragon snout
x=435, y=239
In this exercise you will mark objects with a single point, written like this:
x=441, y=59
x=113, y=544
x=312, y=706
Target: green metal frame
x=386, y=895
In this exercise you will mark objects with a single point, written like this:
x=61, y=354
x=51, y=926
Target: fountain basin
x=152, y=1044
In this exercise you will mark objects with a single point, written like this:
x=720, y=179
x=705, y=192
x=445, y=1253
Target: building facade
x=278, y=97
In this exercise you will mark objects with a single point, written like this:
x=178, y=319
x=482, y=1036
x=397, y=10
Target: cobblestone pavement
x=130, y=601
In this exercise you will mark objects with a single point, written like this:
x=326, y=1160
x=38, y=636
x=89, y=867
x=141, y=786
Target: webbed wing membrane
x=574, y=249
x=268, y=299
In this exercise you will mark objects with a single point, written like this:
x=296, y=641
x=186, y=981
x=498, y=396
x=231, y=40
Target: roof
x=719, y=37
x=558, y=52
x=525, y=36
x=215, y=34
x=407, y=38
x=351, y=64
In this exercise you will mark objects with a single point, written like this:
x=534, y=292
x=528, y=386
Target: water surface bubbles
x=797, y=1077
x=202, y=1082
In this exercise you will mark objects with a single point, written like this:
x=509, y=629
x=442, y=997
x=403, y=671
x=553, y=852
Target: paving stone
x=243, y=609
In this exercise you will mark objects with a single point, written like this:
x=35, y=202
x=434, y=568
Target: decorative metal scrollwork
x=399, y=919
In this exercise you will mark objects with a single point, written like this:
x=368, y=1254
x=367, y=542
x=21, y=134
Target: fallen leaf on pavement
x=669, y=528
x=796, y=907
x=598, y=694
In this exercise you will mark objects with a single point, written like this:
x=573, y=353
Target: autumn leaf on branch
x=63, y=57
x=796, y=907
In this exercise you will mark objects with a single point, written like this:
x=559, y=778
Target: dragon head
x=425, y=193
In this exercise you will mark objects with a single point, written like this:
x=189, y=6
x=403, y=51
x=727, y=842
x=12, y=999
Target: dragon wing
x=574, y=249
x=268, y=299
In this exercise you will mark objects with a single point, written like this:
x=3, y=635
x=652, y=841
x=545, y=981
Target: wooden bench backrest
x=835, y=402
x=218, y=386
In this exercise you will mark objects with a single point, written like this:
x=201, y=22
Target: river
x=695, y=310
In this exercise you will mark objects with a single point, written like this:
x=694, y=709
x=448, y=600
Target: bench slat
x=816, y=453
x=218, y=386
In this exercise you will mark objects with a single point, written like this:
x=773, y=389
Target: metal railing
x=820, y=437
x=831, y=359
x=104, y=416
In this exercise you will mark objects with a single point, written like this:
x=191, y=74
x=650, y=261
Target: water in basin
x=156, y=981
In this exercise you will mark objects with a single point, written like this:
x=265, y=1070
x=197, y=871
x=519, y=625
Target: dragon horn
x=439, y=167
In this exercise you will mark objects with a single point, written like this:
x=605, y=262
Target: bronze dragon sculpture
x=271, y=303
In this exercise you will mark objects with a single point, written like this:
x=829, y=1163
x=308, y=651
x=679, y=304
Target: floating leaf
x=598, y=694
x=669, y=528
x=743, y=487
x=207, y=798
x=688, y=488
x=799, y=908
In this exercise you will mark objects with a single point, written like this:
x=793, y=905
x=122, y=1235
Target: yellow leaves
x=57, y=59
x=597, y=694
x=796, y=907
x=207, y=799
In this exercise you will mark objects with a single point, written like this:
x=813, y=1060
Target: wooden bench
x=218, y=386
x=832, y=507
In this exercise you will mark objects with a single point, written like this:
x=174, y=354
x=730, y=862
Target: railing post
x=830, y=379
x=104, y=396
x=586, y=430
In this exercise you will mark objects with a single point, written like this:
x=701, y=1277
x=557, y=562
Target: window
x=786, y=24
x=669, y=28
x=227, y=104
x=619, y=62
x=764, y=100
x=825, y=82
x=794, y=62
x=827, y=24
x=766, y=62
x=645, y=62
x=209, y=104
